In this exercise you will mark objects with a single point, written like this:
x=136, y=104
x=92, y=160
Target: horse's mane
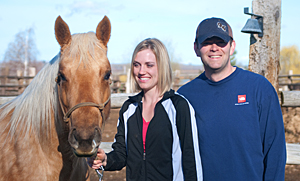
x=32, y=110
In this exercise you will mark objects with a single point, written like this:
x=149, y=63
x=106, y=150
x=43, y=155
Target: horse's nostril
x=72, y=139
x=97, y=135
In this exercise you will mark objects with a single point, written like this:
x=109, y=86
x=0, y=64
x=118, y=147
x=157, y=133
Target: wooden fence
x=289, y=82
x=13, y=85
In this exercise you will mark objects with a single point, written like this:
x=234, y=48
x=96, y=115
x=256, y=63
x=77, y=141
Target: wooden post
x=5, y=80
x=264, y=51
x=20, y=75
x=290, y=98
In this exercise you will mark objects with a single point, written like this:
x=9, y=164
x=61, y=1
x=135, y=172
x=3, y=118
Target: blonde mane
x=32, y=110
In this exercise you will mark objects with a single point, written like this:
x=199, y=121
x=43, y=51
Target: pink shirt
x=145, y=127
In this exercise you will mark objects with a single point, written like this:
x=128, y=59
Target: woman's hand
x=98, y=161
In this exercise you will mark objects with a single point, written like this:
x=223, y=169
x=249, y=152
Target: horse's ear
x=103, y=30
x=62, y=32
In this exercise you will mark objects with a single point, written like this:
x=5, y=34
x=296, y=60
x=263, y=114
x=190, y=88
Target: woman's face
x=145, y=70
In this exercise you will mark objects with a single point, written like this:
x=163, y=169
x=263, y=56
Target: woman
x=157, y=135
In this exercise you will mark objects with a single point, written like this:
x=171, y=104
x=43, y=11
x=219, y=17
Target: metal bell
x=252, y=26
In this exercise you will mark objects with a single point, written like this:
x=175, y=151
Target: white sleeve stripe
x=126, y=115
x=176, y=149
x=195, y=140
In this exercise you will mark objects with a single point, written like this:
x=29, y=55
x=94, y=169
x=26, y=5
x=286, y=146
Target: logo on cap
x=223, y=27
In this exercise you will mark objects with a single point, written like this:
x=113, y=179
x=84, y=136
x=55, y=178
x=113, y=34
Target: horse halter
x=91, y=104
x=83, y=104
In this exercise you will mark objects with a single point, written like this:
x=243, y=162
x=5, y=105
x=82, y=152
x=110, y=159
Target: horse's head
x=83, y=84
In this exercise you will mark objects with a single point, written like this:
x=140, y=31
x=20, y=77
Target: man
x=239, y=119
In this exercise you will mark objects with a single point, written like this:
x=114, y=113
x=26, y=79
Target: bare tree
x=21, y=53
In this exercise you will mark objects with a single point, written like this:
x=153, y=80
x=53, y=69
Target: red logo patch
x=241, y=98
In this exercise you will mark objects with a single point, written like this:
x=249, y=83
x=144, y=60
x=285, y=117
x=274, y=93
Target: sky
x=174, y=22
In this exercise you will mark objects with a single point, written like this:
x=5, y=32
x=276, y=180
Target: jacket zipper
x=144, y=162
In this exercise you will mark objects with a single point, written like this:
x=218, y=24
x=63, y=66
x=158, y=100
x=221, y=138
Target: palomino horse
x=48, y=130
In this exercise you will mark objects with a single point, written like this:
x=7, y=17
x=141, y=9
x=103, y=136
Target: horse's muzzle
x=83, y=144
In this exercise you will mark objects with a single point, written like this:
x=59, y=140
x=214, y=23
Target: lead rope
x=99, y=172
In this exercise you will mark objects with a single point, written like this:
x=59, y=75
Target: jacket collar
x=139, y=96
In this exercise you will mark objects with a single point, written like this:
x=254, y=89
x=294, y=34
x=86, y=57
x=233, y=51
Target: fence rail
x=289, y=82
x=117, y=100
x=13, y=85
x=16, y=77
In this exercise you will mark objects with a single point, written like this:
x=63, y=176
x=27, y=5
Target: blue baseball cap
x=211, y=27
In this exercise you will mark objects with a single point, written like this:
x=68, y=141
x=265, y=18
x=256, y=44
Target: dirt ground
x=291, y=118
x=109, y=132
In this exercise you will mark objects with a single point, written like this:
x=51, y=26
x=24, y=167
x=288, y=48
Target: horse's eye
x=60, y=77
x=107, y=75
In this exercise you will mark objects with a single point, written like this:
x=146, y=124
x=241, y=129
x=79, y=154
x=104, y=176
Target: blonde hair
x=163, y=63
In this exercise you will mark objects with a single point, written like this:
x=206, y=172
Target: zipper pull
x=144, y=156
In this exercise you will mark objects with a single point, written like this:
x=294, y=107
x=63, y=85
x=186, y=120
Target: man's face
x=215, y=53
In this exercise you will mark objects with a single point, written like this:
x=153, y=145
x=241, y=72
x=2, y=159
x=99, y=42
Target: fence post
x=20, y=81
x=265, y=51
x=4, y=80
